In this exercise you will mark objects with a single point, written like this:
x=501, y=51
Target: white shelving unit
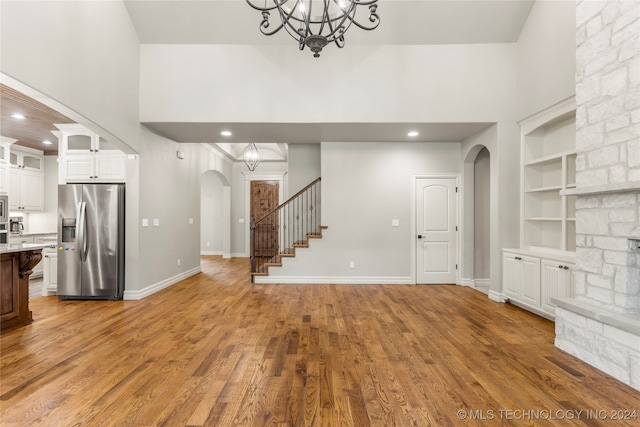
x=542, y=267
x=548, y=167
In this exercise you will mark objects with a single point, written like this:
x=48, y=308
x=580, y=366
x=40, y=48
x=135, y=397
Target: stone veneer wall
x=601, y=324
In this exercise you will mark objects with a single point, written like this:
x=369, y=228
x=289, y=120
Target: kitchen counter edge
x=24, y=247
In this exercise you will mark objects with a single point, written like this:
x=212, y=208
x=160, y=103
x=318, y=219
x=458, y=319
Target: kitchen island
x=16, y=264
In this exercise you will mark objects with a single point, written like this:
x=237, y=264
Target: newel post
x=252, y=245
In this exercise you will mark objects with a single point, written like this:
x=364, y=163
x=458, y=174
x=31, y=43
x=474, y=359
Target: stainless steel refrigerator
x=91, y=241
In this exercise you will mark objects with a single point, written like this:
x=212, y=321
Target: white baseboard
x=211, y=253
x=480, y=285
x=483, y=283
x=334, y=280
x=47, y=292
x=149, y=290
x=239, y=255
x=467, y=282
x=497, y=296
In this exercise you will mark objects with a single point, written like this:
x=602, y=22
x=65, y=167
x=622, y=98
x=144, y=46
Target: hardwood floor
x=216, y=350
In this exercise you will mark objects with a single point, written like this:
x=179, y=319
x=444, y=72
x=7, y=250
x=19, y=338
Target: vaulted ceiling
x=234, y=22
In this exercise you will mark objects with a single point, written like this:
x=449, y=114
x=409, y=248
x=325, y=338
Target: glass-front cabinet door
x=78, y=144
x=31, y=162
x=28, y=161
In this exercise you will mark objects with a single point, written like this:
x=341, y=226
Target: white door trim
x=414, y=180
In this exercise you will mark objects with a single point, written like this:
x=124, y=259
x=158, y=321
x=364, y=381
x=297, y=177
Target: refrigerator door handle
x=82, y=226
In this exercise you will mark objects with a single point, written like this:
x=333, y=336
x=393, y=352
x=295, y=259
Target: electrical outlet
x=208, y=244
x=190, y=220
x=178, y=262
x=352, y=264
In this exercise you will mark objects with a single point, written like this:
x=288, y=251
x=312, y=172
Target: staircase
x=288, y=227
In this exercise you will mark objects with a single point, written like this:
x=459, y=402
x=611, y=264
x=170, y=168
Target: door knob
x=419, y=236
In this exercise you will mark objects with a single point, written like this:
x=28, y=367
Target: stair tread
x=276, y=261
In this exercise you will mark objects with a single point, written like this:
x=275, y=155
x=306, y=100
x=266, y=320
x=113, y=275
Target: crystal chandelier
x=315, y=23
x=251, y=156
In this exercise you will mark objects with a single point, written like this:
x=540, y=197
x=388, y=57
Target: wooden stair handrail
x=287, y=202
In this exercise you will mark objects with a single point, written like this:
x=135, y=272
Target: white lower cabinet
x=522, y=278
x=556, y=281
x=532, y=281
x=50, y=282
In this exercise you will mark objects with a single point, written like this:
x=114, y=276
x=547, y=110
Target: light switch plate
x=145, y=222
x=241, y=220
x=395, y=223
x=190, y=220
x=156, y=222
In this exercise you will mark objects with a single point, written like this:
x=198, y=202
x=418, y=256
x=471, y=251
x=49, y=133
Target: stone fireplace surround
x=601, y=323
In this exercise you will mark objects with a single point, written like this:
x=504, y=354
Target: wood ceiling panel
x=38, y=125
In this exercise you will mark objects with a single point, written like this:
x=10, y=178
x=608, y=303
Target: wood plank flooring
x=215, y=350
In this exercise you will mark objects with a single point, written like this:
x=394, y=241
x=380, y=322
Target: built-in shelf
x=552, y=158
x=548, y=171
x=543, y=219
x=602, y=189
x=543, y=189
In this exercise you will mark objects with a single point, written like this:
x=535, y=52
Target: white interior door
x=436, y=214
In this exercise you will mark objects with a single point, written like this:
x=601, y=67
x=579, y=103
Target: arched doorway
x=215, y=214
x=481, y=219
x=476, y=239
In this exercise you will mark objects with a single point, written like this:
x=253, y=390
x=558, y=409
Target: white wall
x=82, y=54
x=546, y=56
x=47, y=220
x=211, y=218
x=169, y=192
x=502, y=141
x=304, y=165
x=431, y=83
x=364, y=187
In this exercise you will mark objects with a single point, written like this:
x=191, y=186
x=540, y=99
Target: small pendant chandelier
x=251, y=156
x=315, y=23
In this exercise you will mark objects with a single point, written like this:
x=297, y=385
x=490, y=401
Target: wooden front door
x=264, y=198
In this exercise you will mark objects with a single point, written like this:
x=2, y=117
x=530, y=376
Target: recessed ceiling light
x=225, y=133
x=412, y=133
x=18, y=116
x=46, y=142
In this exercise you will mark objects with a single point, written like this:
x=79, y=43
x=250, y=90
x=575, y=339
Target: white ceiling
x=401, y=22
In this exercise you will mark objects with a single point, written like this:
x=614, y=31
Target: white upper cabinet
x=81, y=144
x=87, y=157
x=28, y=161
x=4, y=153
x=25, y=182
x=4, y=168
